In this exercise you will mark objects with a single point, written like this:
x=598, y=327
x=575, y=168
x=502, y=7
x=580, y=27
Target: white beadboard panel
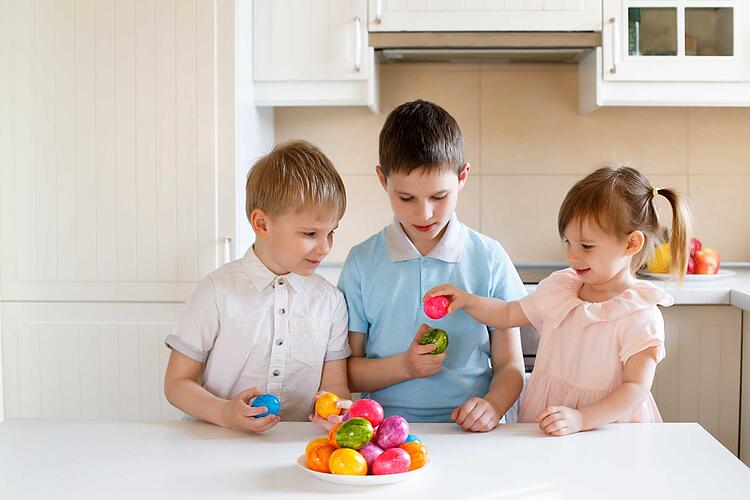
x=699, y=380
x=111, y=164
x=86, y=361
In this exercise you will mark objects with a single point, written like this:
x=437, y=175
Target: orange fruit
x=348, y=462
x=325, y=406
x=318, y=457
x=418, y=453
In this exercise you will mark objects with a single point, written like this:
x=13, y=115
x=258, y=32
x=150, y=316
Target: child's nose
x=426, y=211
x=323, y=247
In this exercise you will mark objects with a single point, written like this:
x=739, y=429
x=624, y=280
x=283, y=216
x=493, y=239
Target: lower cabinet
x=699, y=380
x=86, y=360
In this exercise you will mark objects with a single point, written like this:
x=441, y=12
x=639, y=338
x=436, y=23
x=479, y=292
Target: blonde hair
x=294, y=176
x=621, y=200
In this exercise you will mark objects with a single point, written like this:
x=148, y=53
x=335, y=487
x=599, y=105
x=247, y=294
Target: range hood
x=474, y=47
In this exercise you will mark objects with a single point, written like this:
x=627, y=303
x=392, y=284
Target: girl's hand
x=560, y=421
x=419, y=362
x=476, y=415
x=332, y=420
x=237, y=413
x=459, y=298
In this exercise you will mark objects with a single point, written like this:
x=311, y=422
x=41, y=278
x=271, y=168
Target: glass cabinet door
x=676, y=40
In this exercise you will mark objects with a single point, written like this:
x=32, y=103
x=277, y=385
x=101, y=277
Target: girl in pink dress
x=601, y=332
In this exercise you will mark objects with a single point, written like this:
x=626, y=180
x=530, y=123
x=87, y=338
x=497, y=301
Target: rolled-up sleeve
x=195, y=332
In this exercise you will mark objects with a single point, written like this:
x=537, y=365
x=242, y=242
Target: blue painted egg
x=411, y=437
x=269, y=401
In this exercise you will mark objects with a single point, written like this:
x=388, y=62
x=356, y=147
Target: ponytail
x=679, y=240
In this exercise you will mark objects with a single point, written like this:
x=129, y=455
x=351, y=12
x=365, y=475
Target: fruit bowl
x=368, y=480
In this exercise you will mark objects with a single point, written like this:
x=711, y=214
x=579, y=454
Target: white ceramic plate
x=723, y=273
x=362, y=480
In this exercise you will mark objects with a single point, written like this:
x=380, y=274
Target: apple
x=695, y=245
x=707, y=261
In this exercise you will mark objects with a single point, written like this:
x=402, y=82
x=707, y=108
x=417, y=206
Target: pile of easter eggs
x=364, y=442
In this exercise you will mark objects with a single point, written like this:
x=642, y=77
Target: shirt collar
x=262, y=277
x=449, y=248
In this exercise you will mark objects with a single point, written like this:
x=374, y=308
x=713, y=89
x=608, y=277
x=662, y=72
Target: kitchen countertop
x=76, y=459
x=732, y=290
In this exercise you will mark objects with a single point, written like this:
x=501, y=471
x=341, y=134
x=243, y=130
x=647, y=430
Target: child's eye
x=439, y=197
x=587, y=247
x=309, y=235
x=405, y=198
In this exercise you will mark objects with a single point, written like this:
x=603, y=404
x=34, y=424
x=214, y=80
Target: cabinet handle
x=378, y=11
x=357, y=44
x=615, y=38
x=227, y=249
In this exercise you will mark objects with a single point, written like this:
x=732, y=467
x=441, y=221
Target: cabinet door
x=676, y=40
x=301, y=40
x=485, y=15
x=699, y=380
x=86, y=361
x=116, y=172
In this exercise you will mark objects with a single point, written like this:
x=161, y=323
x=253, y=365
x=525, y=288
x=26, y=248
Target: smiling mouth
x=425, y=228
x=581, y=272
x=314, y=262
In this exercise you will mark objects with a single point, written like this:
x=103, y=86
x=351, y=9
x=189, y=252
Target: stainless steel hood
x=473, y=47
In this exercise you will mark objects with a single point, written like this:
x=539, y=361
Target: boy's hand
x=459, y=298
x=419, y=362
x=332, y=420
x=560, y=421
x=476, y=415
x=237, y=413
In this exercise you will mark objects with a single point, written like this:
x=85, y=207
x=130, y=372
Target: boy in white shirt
x=266, y=323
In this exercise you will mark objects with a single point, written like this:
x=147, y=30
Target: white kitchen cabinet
x=313, y=53
x=669, y=53
x=485, y=15
x=117, y=176
x=699, y=380
x=68, y=360
x=676, y=40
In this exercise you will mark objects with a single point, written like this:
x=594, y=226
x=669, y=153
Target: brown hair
x=420, y=134
x=294, y=176
x=621, y=200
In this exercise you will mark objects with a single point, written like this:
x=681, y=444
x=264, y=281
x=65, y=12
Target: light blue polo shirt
x=384, y=279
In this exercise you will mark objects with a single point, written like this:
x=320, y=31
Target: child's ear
x=260, y=222
x=381, y=177
x=636, y=240
x=463, y=175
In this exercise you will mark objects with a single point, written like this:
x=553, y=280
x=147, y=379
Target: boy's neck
x=424, y=247
x=265, y=257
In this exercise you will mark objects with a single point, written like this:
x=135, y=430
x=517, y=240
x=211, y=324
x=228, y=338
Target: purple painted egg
x=392, y=461
x=366, y=408
x=370, y=452
x=392, y=432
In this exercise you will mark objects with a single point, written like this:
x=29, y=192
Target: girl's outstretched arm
x=487, y=310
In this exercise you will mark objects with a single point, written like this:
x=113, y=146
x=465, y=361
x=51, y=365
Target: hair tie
x=655, y=192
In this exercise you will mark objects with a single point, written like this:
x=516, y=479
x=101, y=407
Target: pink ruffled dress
x=583, y=346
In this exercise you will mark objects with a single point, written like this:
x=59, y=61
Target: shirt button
x=276, y=373
x=282, y=311
x=281, y=282
x=280, y=342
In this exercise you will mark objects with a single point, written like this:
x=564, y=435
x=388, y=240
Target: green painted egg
x=354, y=433
x=435, y=336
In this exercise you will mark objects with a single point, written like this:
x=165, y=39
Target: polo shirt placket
x=280, y=335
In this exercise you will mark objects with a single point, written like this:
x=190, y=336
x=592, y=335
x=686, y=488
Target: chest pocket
x=307, y=340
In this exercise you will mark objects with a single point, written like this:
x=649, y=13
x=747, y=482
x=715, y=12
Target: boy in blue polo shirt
x=479, y=377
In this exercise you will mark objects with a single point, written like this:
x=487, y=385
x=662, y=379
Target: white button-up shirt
x=253, y=328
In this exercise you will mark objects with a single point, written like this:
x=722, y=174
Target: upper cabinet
x=670, y=53
x=693, y=40
x=312, y=53
x=485, y=15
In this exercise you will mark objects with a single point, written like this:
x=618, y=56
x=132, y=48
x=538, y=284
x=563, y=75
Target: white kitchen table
x=137, y=460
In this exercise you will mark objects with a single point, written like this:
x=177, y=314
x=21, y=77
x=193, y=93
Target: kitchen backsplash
x=527, y=145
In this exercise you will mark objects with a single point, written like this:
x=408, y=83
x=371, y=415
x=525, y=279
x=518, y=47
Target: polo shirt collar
x=262, y=277
x=449, y=248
